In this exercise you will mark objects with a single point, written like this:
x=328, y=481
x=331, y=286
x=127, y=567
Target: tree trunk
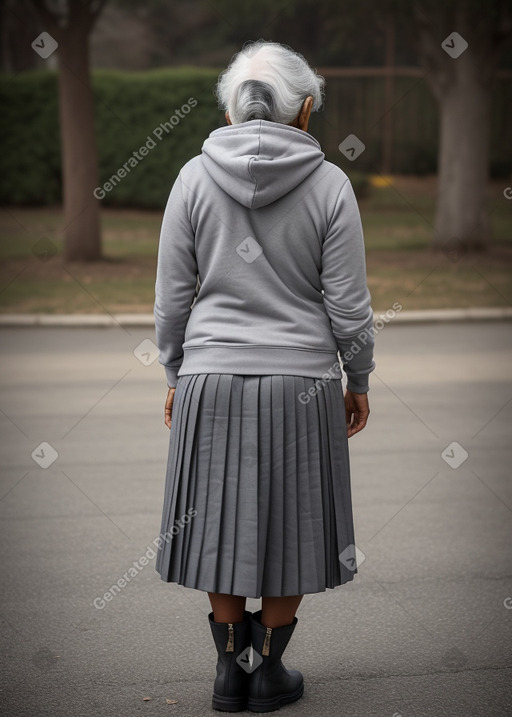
x=82, y=232
x=459, y=46
x=462, y=219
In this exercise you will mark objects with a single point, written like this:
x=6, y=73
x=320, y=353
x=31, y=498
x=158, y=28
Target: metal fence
x=393, y=112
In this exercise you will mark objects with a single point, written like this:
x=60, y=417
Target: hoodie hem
x=259, y=360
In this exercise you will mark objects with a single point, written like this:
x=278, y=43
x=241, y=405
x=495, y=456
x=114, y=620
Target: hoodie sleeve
x=176, y=279
x=346, y=295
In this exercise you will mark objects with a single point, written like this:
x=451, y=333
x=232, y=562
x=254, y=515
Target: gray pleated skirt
x=257, y=495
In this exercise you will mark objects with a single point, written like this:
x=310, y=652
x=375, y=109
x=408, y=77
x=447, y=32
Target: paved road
x=422, y=630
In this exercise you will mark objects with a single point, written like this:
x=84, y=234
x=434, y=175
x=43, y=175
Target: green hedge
x=30, y=139
x=130, y=106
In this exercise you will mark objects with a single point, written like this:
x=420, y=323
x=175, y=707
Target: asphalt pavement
x=425, y=628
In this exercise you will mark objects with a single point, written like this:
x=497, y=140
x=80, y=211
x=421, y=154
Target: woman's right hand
x=357, y=410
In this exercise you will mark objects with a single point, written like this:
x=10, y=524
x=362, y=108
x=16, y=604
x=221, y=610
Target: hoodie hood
x=258, y=162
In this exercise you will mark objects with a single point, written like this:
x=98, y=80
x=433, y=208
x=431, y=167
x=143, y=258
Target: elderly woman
x=261, y=281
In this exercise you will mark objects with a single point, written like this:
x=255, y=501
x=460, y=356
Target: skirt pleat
x=257, y=498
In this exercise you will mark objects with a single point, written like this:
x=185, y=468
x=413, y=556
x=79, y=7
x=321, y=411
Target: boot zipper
x=266, y=644
x=230, y=647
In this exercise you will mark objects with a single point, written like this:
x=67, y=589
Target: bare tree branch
x=50, y=19
x=429, y=51
x=100, y=4
x=95, y=13
x=86, y=13
x=502, y=33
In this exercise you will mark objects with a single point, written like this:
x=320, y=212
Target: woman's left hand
x=168, y=407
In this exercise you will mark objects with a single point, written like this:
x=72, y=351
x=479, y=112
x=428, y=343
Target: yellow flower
x=381, y=180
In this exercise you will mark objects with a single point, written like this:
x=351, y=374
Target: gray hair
x=269, y=81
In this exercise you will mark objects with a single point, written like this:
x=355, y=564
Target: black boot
x=230, y=687
x=271, y=685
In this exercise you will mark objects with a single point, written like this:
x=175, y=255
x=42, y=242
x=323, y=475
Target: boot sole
x=274, y=703
x=229, y=704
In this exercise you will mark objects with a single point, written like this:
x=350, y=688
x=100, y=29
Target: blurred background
x=93, y=136
x=102, y=104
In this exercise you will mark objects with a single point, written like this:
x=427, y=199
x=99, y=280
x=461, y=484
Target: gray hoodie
x=269, y=234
